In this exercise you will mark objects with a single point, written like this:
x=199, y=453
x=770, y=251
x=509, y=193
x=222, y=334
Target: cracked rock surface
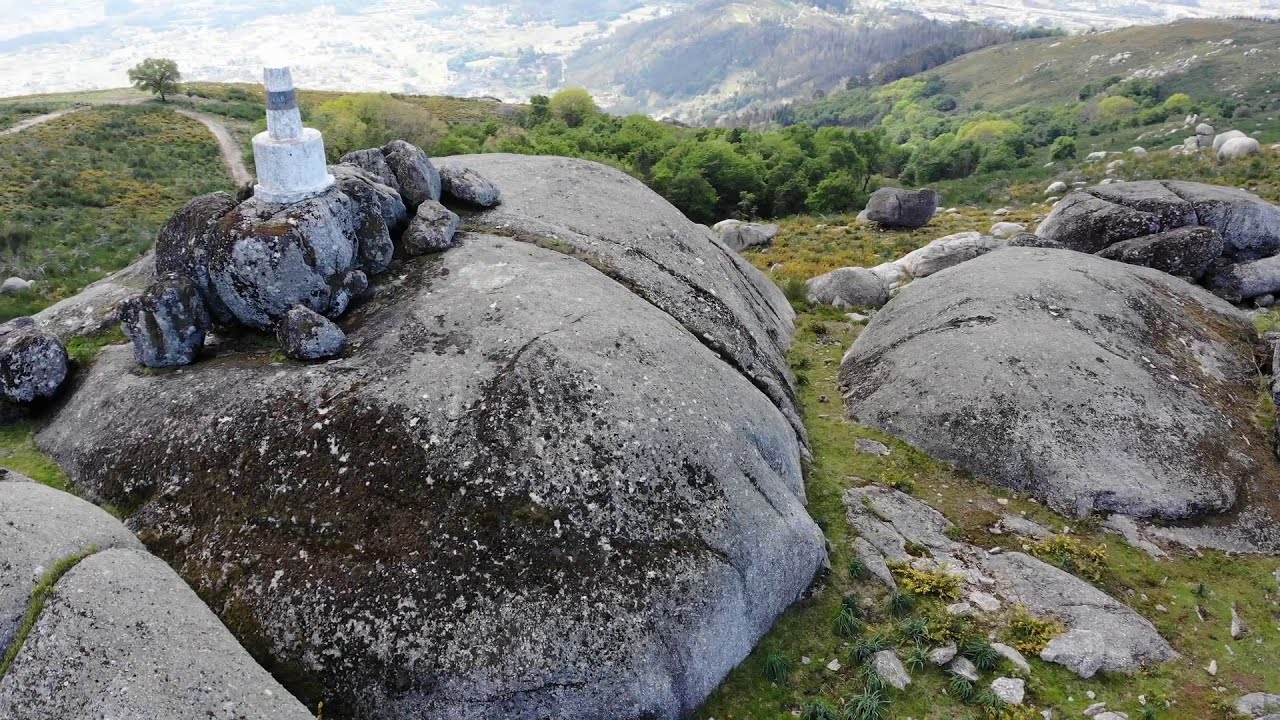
x=1092, y=385
x=534, y=489
x=1102, y=634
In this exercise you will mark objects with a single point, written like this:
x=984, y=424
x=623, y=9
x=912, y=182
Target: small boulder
x=466, y=185
x=1013, y=656
x=33, y=363
x=965, y=669
x=947, y=251
x=898, y=208
x=1004, y=230
x=742, y=235
x=1204, y=135
x=1098, y=156
x=167, y=323
x=307, y=335
x=1138, y=151
x=1186, y=251
x=1239, y=147
x=1011, y=691
x=870, y=447
x=1258, y=704
x=417, y=178
x=1241, y=281
x=890, y=669
x=1221, y=138
x=1057, y=187
x=15, y=285
x=943, y=655
x=372, y=161
x=848, y=287
x=431, y=230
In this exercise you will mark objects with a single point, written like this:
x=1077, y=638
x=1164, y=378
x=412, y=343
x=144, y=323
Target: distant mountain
x=693, y=59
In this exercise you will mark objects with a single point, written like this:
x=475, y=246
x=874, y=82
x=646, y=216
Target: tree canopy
x=158, y=76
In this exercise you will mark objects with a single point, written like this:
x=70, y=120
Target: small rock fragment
x=870, y=447
x=943, y=655
x=965, y=669
x=890, y=669
x=307, y=335
x=1011, y=691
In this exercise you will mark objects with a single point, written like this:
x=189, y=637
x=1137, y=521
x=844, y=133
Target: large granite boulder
x=1240, y=147
x=33, y=363
x=550, y=483
x=468, y=186
x=265, y=258
x=898, y=208
x=1091, y=220
x=182, y=246
x=308, y=335
x=947, y=251
x=849, y=287
x=417, y=179
x=1221, y=138
x=432, y=230
x=376, y=247
x=1089, y=384
x=1186, y=252
x=118, y=635
x=611, y=221
x=744, y=235
x=167, y=323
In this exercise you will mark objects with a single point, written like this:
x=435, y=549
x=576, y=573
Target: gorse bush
x=1029, y=634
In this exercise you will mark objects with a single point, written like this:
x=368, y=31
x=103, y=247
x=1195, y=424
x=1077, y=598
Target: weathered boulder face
x=96, y=308
x=1187, y=251
x=1221, y=138
x=33, y=363
x=372, y=161
x=898, y=208
x=614, y=222
x=848, y=287
x=533, y=492
x=1236, y=148
x=376, y=247
x=466, y=185
x=417, y=179
x=308, y=335
x=120, y=635
x=742, y=235
x=265, y=259
x=1087, y=383
x=432, y=230
x=182, y=246
x=167, y=323
x=1091, y=220
x=947, y=251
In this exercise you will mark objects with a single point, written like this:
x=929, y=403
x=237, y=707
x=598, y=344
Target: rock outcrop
x=849, y=287
x=1092, y=385
x=741, y=236
x=33, y=363
x=95, y=309
x=898, y=208
x=1186, y=252
x=1102, y=634
x=552, y=481
x=167, y=323
x=182, y=246
x=118, y=634
x=468, y=186
x=1236, y=148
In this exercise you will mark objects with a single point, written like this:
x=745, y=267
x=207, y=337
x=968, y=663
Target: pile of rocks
x=293, y=268
x=1228, y=145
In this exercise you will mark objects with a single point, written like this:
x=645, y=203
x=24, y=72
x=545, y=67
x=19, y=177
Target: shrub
x=777, y=667
x=858, y=569
x=932, y=583
x=1073, y=555
x=864, y=648
x=1063, y=148
x=1029, y=634
x=961, y=689
x=914, y=630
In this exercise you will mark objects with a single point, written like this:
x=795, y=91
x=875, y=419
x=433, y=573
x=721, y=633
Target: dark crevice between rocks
x=35, y=606
x=783, y=397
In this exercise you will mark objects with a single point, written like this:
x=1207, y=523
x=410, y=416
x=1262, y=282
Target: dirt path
x=228, y=148
x=37, y=120
x=232, y=156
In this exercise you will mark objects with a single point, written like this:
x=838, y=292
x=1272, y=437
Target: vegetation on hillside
x=84, y=195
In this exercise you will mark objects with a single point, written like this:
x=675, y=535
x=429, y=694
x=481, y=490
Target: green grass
x=18, y=452
x=808, y=629
x=84, y=350
x=39, y=594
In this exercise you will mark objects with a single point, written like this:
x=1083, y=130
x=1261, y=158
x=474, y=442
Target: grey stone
x=870, y=447
x=965, y=669
x=1012, y=655
x=15, y=285
x=374, y=230
x=947, y=252
x=1258, y=704
x=1005, y=230
x=1024, y=527
x=432, y=229
x=168, y=323
x=1142, y=372
x=1011, y=691
x=1241, y=281
x=307, y=335
x=848, y=287
x=1094, y=708
x=33, y=363
x=266, y=258
x=182, y=246
x=1128, y=529
x=1238, y=627
x=372, y=161
x=943, y=655
x=984, y=601
x=1102, y=633
x=890, y=669
x=467, y=185
x=122, y=637
x=1237, y=148
x=1033, y=240
x=1090, y=220
x=534, y=492
x=40, y=526
x=347, y=289
x=740, y=236
x=1111, y=715
x=1221, y=138
x=898, y=208
x=417, y=179
x=1056, y=187
x=96, y=309
x=1186, y=251
x=874, y=562
x=614, y=222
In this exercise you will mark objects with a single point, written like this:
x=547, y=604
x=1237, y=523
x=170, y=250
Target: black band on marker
x=282, y=100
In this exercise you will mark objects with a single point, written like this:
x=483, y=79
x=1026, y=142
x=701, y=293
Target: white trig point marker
x=289, y=158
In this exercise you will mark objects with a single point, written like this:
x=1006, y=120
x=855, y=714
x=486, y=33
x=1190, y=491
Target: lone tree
x=159, y=76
